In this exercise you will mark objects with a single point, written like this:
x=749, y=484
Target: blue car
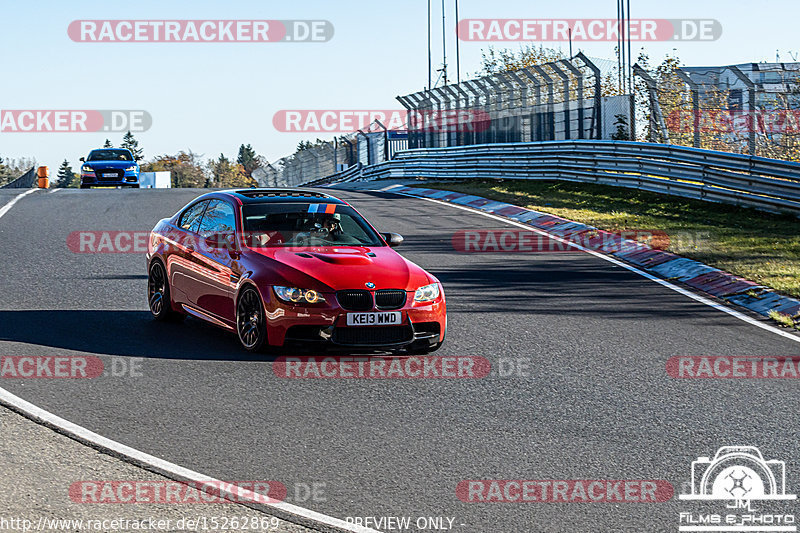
x=109, y=167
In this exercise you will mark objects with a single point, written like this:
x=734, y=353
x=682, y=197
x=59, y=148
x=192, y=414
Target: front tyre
x=250, y=320
x=158, y=296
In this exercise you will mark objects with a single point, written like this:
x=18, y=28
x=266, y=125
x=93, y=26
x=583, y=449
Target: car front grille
x=355, y=300
x=390, y=298
x=117, y=174
x=373, y=336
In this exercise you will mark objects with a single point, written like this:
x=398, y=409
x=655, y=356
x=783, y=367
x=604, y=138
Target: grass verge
x=758, y=246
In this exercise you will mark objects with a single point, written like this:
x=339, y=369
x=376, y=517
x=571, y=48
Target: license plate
x=110, y=175
x=374, y=319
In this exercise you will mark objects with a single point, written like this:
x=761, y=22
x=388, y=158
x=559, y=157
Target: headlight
x=427, y=293
x=84, y=168
x=295, y=295
x=130, y=169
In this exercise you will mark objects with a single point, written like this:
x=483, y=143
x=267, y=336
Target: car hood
x=110, y=164
x=345, y=267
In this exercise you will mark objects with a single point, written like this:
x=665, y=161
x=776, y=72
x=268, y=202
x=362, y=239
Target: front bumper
x=421, y=325
x=110, y=177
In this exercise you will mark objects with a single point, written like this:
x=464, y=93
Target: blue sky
x=211, y=98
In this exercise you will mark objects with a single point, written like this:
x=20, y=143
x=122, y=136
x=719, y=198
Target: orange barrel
x=43, y=173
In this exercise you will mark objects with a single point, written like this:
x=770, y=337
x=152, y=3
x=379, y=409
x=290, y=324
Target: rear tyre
x=250, y=321
x=158, y=295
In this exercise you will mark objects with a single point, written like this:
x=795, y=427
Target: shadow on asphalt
x=123, y=333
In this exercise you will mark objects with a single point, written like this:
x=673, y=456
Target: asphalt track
x=596, y=402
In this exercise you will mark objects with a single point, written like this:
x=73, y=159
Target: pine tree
x=248, y=159
x=129, y=142
x=108, y=144
x=65, y=175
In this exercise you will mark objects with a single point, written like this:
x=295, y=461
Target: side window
x=219, y=218
x=190, y=219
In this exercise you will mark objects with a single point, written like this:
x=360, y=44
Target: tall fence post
x=695, y=90
x=751, y=105
x=598, y=94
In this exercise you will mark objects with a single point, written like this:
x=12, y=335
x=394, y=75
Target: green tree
x=5, y=173
x=493, y=61
x=225, y=173
x=185, y=167
x=622, y=133
x=248, y=159
x=108, y=144
x=130, y=142
x=66, y=178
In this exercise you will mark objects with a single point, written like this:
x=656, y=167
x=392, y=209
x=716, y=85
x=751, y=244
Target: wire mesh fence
x=559, y=100
x=317, y=160
x=751, y=108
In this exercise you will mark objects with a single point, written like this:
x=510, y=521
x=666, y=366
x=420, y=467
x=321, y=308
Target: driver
x=331, y=223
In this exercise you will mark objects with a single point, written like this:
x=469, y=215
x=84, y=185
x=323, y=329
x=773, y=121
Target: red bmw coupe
x=284, y=266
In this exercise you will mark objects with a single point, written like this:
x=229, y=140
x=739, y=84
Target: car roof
x=268, y=195
x=112, y=149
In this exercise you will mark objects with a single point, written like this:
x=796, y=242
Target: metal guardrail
x=25, y=181
x=749, y=181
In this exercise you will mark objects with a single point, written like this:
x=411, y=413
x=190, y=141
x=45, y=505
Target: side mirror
x=82, y=159
x=392, y=239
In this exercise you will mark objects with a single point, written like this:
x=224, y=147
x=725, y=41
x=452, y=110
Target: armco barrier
x=25, y=181
x=766, y=184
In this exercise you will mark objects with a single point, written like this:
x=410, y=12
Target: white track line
x=169, y=469
x=681, y=290
x=6, y=208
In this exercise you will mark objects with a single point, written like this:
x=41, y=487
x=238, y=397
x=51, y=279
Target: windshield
x=110, y=155
x=306, y=224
